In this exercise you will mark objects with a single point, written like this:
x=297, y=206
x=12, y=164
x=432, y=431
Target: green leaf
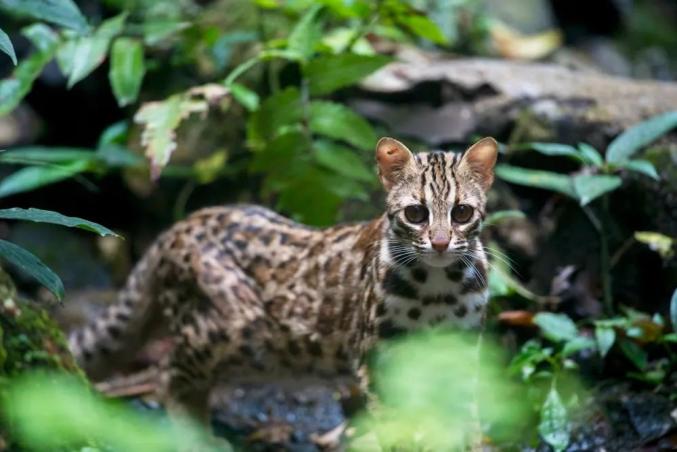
x=554, y=426
x=605, y=339
x=90, y=51
x=501, y=215
x=32, y=266
x=160, y=120
x=33, y=177
x=591, y=186
x=306, y=33
x=577, y=344
x=7, y=47
x=556, y=149
x=127, y=69
x=590, y=154
x=331, y=72
x=423, y=27
x=636, y=137
x=317, y=206
x=673, y=310
x=60, y=12
x=47, y=216
x=536, y=178
x=277, y=112
x=556, y=327
x=46, y=155
x=640, y=166
x=156, y=32
x=246, y=97
x=342, y=160
x=634, y=353
x=337, y=121
x=14, y=88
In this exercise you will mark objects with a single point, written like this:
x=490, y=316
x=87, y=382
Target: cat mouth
x=437, y=259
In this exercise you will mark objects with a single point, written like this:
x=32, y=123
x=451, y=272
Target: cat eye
x=462, y=213
x=416, y=213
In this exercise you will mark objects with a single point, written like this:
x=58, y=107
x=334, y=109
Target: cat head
x=435, y=200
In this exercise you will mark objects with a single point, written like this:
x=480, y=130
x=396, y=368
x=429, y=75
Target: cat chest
x=415, y=298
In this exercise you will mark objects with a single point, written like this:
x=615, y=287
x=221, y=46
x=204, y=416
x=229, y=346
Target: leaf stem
x=604, y=260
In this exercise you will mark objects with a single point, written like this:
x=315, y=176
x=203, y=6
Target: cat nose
x=440, y=243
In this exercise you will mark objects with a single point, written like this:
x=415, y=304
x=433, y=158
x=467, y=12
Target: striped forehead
x=436, y=177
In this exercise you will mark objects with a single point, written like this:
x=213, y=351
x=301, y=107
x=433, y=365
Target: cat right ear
x=393, y=158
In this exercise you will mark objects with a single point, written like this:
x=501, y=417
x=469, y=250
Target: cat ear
x=393, y=159
x=480, y=159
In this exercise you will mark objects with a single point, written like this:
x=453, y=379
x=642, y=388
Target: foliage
x=431, y=387
x=597, y=177
x=72, y=417
x=325, y=42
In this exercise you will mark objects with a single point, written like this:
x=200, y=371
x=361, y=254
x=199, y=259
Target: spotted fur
x=246, y=293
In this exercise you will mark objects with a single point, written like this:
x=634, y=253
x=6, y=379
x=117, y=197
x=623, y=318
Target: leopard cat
x=246, y=293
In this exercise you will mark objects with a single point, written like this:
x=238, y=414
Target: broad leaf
x=606, y=336
x=331, y=72
x=556, y=327
x=60, y=12
x=634, y=353
x=501, y=215
x=127, y=69
x=33, y=177
x=640, y=166
x=14, y=88
x=46, y=155
x=90, y=51
x=577, y=344
x=32, y=266
x=423, y=27
x=339, y=122
x=306, y=33
x=673, y=310
x=554, y=427
x=591, y=186
x=343, y=161
x=636, y=137
x=156, y=32
x=557, y=149
x=47, y=216
x=7, y=47
x=246, y=97
x=278, y=111
x=536, y=178
x=590, y=154
x=161, y=119
x=317, y=206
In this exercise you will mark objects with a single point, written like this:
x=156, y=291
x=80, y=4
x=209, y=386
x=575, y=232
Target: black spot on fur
x=450, y=299
x=114, y=331
x=388, y=329
x=419, y=274
x=381, y=310
x=394, y=284
x=314, y=348
x=293, y=348
x=414, y=313
x=460, y=311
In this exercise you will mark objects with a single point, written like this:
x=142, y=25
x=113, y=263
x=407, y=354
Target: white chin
x=439, y=260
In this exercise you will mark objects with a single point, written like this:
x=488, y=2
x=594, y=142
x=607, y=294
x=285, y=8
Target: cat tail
x=111, y=339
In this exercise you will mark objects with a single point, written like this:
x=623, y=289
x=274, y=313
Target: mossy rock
x=29, y=341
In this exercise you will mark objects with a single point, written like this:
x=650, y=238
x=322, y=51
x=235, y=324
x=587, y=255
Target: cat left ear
x=480, y=158
x=393, y=159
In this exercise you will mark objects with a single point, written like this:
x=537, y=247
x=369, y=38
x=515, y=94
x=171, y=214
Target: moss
x=29, y=341
x=29, y=338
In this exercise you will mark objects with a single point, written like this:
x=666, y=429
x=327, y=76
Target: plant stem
x=604, y=261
